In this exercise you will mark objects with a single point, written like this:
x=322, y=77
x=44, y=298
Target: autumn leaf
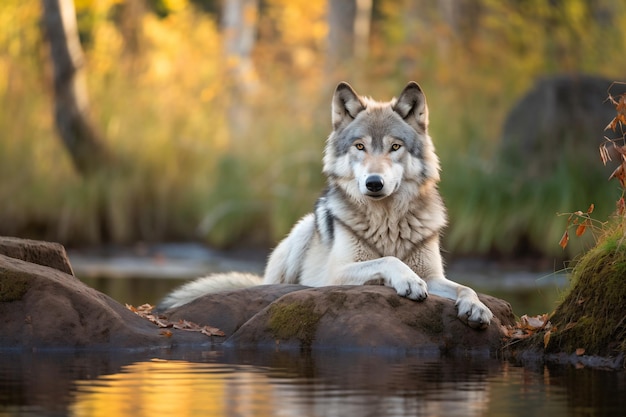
x=580, y=351
x=580, y=230
x=620, y=108
x=605, y=156
x=533, y=323
x=212, y=331
x=564, y=240
x=546, y=339
x=620, y=174
x=145, y=311
x=590, y=209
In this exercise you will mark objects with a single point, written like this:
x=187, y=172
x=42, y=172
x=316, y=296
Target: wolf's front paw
x=473, y=312
x=414, y=288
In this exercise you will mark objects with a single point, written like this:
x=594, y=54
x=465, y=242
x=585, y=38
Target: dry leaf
x=580, y=230
x=145, y=311
x=546, y=339
x=620, y=174
x=533, y=323
x=580, y=351
x=564, y=240
x=620, y=108
x=212, y=331
x=605, y=156
x=590, y=209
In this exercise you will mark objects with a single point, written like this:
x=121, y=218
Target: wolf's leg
x=469, y=308
x=391, y=270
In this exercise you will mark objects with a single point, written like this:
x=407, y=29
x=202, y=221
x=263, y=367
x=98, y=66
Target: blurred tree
x=129, y=16
x=239, y=24
x=80, y=136
x=348, y=31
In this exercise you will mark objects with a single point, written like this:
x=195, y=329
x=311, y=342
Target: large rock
x=43, y=307
x=46, y=307
x=562, y=116
x=345, y=317
x=42, y=253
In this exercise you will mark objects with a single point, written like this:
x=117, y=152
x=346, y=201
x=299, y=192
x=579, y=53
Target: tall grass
x=187, y=174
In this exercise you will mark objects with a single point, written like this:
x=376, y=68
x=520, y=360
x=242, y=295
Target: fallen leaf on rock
x=580, y=351
x=528, y=326
x=546, y=338
x=145, y=311
x=534, y=323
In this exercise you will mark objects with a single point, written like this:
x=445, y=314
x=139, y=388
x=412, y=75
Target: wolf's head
x=380, y=148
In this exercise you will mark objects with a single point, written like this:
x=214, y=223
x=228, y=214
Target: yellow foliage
x=165, y=105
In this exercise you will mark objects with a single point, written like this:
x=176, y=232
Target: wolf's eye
x=360, y=146
x=395, y=146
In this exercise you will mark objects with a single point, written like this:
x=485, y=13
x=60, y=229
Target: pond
x=229, y=382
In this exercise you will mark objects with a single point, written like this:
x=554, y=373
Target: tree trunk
x=348, y=33
x=362, y=25
x=77, y=131
x=341, y=16
x=239, y=26
x=239, y=22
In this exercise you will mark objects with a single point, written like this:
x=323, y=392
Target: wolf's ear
x=346, y=105
x=411, y=106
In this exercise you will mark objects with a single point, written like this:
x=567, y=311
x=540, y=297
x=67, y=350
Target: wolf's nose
x=374, y=183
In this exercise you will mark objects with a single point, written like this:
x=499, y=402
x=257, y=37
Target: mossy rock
x=592, y=315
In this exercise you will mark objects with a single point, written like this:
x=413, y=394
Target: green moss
x=592, y=314
x=296, y=320
x=13, y=286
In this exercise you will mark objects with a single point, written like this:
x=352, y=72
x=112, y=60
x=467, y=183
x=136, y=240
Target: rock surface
x=229, y=310
x=37, y=252
x=350, y=317
x=44, y=306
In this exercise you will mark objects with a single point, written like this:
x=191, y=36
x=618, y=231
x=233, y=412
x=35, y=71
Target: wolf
x=378, y=221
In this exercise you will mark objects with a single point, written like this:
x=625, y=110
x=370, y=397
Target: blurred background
x=125, y=121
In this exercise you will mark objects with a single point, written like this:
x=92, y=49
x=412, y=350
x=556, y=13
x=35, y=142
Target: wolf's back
x=208, y=285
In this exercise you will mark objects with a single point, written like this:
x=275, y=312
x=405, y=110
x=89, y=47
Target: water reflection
x=236, y=383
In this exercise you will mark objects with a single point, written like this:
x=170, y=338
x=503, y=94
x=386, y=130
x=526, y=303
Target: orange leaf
x=580, y=351
x=590, y=209
x=620, y=174
x=165, y=333
x=546, y=339
x=581, y=229
x=564, y=240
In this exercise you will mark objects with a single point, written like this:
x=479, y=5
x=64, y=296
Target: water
x=224, y=382
x=325, y=384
